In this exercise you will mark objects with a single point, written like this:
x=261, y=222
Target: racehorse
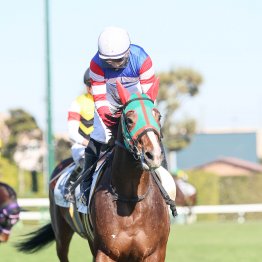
x=9, y=211
x=129, y=217
x=184, y=197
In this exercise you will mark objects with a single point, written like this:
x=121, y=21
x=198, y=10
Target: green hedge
x=213, y=189
x=216, y=190
x=241, y=189
x=9, y=173
x=207, y=185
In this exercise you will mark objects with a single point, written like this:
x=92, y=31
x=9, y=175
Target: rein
x=165, y=195
x=85, y=173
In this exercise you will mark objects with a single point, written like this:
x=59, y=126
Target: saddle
x=59, y=181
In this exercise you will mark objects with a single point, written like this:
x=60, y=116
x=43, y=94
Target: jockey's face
x=89, y=89
x=117, y=63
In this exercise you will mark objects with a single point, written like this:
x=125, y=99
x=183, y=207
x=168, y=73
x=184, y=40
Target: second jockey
x=80, y=125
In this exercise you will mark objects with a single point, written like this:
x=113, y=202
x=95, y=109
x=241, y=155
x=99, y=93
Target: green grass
x=203, y=242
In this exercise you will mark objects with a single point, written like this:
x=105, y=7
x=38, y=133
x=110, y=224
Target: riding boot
x=92, y=153
x=70, y=181
x=90, y=160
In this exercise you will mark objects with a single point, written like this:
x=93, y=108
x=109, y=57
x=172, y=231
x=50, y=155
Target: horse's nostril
x=149, y=155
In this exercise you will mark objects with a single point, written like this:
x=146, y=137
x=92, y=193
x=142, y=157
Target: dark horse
x=129, y=217
x=9, y=211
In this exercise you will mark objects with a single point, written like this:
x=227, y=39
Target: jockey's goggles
x=117, y=63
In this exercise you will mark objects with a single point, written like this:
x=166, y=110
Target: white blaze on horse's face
x=153, y=154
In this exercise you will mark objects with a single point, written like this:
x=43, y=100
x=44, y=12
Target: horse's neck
x=127, y=175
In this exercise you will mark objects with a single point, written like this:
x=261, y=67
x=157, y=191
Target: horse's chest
x=125, y=229
x=124, y=242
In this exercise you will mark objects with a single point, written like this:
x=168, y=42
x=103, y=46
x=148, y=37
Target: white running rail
x=43, y=203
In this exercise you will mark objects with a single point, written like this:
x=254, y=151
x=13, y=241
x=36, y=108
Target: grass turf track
x=205, y=242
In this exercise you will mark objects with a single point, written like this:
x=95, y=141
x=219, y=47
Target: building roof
x=235, y=162
x=209, y=147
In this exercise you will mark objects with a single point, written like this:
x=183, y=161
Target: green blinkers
x=143, y=109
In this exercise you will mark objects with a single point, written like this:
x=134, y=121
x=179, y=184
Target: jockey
x=80, y=126
x=116, y=59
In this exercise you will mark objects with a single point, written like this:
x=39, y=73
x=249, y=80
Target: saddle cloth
x=81, y=205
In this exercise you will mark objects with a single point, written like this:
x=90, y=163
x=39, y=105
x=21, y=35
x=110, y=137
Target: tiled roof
x=254, y=167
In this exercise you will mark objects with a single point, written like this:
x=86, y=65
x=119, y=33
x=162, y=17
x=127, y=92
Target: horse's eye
x=129, y=121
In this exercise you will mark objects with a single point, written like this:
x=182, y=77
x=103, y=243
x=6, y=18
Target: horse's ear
x=123, y=93
x=153, y=90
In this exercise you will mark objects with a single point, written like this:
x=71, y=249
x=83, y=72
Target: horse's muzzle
x=153, y=159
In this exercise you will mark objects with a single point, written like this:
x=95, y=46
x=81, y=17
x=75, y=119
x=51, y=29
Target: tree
x=20, y=122
x=175, y=87
x=25, y=146
x=62, y=149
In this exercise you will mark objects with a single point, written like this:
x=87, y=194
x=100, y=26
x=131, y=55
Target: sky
x=221, y=40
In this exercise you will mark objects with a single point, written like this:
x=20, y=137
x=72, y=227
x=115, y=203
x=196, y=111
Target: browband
x=135, y=99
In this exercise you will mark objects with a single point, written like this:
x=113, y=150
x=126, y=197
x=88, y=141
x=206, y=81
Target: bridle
x=9, y=216
x=131, y=141
x=9, y=213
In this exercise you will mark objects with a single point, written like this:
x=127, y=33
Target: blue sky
x=222, y=40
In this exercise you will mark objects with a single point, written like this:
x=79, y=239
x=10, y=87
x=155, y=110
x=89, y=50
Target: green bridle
x=145, y=122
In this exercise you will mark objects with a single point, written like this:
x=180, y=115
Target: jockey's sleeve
x=146, y=75
x=73, y=123
x=99, y=93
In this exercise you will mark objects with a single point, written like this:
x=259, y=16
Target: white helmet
x=113, y=43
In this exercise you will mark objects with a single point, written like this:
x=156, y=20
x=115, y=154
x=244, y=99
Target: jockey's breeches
x=101, y=132
x=78, y=152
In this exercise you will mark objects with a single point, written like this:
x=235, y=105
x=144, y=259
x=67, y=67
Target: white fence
x=43, y=203
x=240, y=210
x=37, y=203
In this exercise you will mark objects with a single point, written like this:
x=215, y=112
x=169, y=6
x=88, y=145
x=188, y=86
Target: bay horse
x=9, y=211
x=129, y=217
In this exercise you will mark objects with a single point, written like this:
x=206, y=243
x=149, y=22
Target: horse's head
x=140, y=123
x=9, y=211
